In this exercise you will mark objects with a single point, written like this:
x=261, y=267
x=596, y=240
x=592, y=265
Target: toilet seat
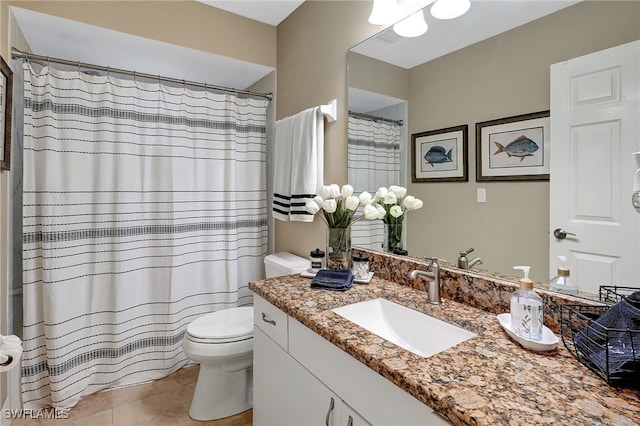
x=225, y=326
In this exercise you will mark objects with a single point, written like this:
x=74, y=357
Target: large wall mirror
x=469, y=70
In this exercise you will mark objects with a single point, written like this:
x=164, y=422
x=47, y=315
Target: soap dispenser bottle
x=562, y=282
x=526, y=309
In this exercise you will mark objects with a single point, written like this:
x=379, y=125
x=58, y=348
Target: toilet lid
x=233, y=323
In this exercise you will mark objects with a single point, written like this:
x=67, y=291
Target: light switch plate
x=482, y=195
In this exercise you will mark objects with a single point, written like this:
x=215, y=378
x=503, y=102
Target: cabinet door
x=379, y=401
x=285, y=393
x=351, y=418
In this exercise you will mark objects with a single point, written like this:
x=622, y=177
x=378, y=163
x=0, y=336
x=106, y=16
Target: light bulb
x=383, y=12
x=449, y=9
x=413, y=26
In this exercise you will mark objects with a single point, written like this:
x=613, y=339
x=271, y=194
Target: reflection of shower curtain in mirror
x=144, y=208
x=373, y=161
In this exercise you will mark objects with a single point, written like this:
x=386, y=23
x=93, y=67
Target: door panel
x=595, y=181
x=595, y=87
x=595, y=267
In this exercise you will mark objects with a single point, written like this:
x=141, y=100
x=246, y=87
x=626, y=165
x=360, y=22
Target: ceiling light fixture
x=384, y=12
x=449, y=9
x=413, y=26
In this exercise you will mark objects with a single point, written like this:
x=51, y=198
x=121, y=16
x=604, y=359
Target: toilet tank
x=284, y=263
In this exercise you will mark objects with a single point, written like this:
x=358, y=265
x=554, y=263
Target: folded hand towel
x=333, y=279
x=612, y=342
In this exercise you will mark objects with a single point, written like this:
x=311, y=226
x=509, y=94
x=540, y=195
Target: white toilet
x=222, y=343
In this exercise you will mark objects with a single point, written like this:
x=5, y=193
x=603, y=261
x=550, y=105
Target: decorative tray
x=548, y=342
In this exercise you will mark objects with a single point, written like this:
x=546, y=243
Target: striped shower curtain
x=144, y=208
x=373, y=161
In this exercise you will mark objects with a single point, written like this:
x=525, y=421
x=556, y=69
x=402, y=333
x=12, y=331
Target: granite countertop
x=486, y=380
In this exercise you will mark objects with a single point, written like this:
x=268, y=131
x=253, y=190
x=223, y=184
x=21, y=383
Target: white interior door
x=594, y=131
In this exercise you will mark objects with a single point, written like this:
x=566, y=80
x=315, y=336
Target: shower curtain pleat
x=373, y=161
x=144, y=208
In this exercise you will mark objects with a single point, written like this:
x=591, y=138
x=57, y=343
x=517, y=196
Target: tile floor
x=163, y=402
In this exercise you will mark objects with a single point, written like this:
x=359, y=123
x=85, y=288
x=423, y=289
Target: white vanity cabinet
x=285, y=393
x=296, y=378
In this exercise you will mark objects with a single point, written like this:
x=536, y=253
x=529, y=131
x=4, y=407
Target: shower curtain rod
x=374, y=118
x=17, y=54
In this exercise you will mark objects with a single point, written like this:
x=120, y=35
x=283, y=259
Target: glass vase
x=338, y=247
x=392, y=236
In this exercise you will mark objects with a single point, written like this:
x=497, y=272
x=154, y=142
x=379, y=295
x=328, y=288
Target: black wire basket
x=612, y=353
x=613, y=294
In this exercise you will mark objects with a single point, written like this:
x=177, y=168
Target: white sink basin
x=416, y=332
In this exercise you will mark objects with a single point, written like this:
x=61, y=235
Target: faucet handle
x=464, y=253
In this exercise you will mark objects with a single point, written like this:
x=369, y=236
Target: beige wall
x=375, y=76
x=500, y=77
x=312, y=69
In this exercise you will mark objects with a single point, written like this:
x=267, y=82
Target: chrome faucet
x=432, y=274
x=464, y=263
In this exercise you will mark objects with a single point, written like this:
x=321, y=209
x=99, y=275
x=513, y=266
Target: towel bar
x=330, y=110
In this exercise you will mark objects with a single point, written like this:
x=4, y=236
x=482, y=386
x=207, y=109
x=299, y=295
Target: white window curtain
x=144, y=208
x=373, y=161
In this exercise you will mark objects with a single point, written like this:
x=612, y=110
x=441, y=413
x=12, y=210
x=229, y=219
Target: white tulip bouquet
x=338, y=206
x=393, y=204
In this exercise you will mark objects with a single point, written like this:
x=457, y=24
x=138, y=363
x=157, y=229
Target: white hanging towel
x=282, y=169
x=299, y=164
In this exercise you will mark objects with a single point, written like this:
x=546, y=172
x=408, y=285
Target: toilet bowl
x=222, y=343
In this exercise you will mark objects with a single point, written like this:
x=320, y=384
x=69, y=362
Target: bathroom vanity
x=317, y=382
x=313, y=366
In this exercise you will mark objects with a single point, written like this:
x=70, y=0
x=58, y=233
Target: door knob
x=561, y=234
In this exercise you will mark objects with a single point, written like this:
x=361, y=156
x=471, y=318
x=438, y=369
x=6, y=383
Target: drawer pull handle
x=268, y=321
x=331, y=405
x=350, y=422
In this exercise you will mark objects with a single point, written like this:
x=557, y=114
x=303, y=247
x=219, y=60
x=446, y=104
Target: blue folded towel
x=333, y=279
x=634, y=299
x=612, y=342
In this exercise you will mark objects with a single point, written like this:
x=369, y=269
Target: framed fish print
x=513, y=148
x=6, y=89
x=440, y=155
